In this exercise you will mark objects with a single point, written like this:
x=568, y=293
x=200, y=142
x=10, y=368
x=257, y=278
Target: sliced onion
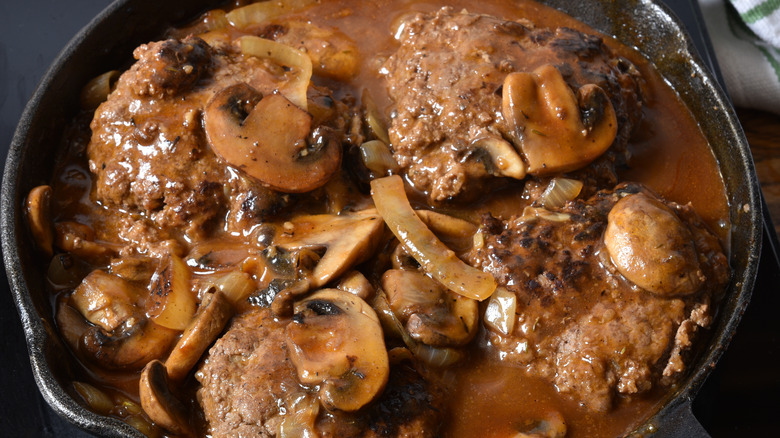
x=435, y=258
x=377, y=157
x=214, y=20
x=285, y=56
x=96, y=399
x=236, y=286
x=532, y=213
x=301, y=415
x=559, y=192
x=500, y=312
x=261, y=12
x=375, y=122
x=97, y=90
x=171, y=303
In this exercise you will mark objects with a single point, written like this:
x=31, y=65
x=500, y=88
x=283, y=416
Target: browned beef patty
x=149, y=152
x=248, y=385
x=445, y=80
x=580, y=323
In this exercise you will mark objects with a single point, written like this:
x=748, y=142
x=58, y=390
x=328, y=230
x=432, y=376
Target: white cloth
x=746, y=39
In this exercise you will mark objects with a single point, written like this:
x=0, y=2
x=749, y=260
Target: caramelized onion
x=559, y=192
x=96, y=399
x=236, y=286
x=258, y=13
x=435, y=258
x=299, y=420
x=171, y=303
x=377, y=157
x=375, y=123
x=500, y=312
x=285, y=56
x=97, y=90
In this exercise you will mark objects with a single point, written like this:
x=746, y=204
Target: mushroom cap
x=267, y=137
x=557, y=130
x=159, y=403
x=349, y=239
x=652, y=247
x=433, y=315
x=335, y=341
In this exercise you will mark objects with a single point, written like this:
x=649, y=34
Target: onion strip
x=260, y=12
x=285, y=56
x=500, y=312
x=559, y=192
x=97, y=90
x=377, y=157
x=419, y=241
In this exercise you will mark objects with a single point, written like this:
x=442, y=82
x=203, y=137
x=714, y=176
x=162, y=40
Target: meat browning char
x=580, y=323
x=148, y=150
x=224, y=194
x=248, y=383
x=446, y=78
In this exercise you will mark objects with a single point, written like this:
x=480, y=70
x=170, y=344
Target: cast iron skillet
x=110, y=38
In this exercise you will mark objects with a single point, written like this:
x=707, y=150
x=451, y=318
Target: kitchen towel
x=746, y=37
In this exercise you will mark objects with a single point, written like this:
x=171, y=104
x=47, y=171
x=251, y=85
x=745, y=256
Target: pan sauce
x=489, y=396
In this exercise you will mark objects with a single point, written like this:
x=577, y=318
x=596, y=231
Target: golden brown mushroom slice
x=159, y=403
x=651, y=246
x=267, y=138
x=204, y=329
x=39, y=218
x=335, y=341
x=431, y=314
x=556, y=130
x=102, y=321
x=127, y=347
x=349, y=238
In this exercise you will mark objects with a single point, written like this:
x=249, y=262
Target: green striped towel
x=746, y=37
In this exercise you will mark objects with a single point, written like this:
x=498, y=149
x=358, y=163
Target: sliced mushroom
x=335, y=341
x=356, y=283
x=555, y=129
x=505, y=160
x=266, y=137
x=651, y=246
x=129, y=346
x=105, y=299
x=204, y=329
x=349, y=239
x=159, y=403
x=283, y=302
x=431, y=314
x=39, y=218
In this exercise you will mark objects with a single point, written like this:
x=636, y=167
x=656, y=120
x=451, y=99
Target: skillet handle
x=680, y=422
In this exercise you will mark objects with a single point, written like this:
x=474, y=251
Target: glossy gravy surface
x=668, y=153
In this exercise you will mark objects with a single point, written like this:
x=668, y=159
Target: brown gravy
x=669, y=154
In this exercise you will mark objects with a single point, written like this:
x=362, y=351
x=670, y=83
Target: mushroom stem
x=159, y=403
x=203, y=330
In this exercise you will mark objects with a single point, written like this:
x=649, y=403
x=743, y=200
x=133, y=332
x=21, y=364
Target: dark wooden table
x=741, y=398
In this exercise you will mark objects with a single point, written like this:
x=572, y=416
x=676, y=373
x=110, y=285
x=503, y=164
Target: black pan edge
x=656, y=32
x=653, y=29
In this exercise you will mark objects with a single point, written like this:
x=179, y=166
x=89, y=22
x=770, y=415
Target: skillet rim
x=37, y=328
